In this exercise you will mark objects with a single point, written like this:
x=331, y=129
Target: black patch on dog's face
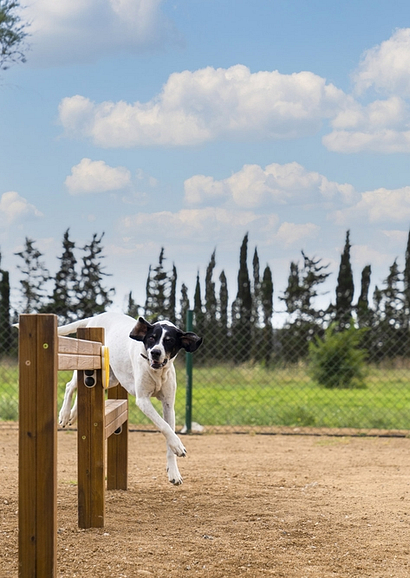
x=166, y=336
x=162, y=340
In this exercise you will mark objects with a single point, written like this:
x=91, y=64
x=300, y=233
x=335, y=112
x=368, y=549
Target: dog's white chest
x=154, y=383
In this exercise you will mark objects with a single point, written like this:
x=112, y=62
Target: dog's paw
x=73, y=416
x=64, y=418
x=177, y=447
x=174, y=476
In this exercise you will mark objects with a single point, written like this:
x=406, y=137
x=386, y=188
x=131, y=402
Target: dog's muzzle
x=155, y=364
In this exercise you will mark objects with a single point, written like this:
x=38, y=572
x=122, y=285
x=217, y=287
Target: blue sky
x=186, y=124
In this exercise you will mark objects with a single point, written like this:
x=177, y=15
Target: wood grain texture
x=80, y=346
x=37, y=446
x=73, y=361
x=117, y=448
x=116, y=413
x=91, y=444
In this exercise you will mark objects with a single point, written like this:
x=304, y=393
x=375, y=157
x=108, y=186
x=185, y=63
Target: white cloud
x=254, y=186
x=386, y=114
x=14, y=208
x=291, y=233
x=219, y=224
x=383, y=141
x=377, y=258
x=209, y=104
x=381, y=126
x=200, y=188
x=96, y=177
x=70, y=31
x=380, y=205
x=386, y=66
x=396, y=238
x=201, y=224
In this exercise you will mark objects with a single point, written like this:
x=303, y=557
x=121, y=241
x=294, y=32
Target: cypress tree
x=5, y=316
x=406, y=283
x=155, y=305
x=345, y=287
x=184, y=306
x=392, y=294
x=267, y=309
x=64, y=299
x=161, y=292
x=257, y=337
x=242, y=309
x=210, y=297
x=198, y=311
x=94, y=297
x=377, y=299
x=392, y=323
x=362, y=307
x=35, y=276
x=302, y=288
x=172, y=295
x=313, y=274
x=133, y=308
x=148, y=295
x=223, y=306
x=293, y=292
x=210, y=343
x=256, y=296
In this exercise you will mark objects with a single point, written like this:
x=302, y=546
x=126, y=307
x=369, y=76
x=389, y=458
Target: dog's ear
x=140, y=330
x=190, y=341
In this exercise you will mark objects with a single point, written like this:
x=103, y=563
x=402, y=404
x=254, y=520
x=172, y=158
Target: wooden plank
x=47, y=444
x=116, y=413
x=117, y=449
x=72, y=361
x=114, y=408
x=27, y=445
x=91, y=444
x=71, y=345
x=37, y=446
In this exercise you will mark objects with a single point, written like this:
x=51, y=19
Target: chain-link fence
x=300, y=377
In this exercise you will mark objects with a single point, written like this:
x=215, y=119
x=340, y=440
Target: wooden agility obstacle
x=41, y=354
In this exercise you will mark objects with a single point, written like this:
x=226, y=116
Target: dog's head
x=163, y=340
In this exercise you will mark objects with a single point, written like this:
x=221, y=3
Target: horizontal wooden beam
x=78, y=361
x=116, y=413
x=81, y=346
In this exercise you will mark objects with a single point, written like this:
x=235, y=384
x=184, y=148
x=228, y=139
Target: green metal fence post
x=188, y=399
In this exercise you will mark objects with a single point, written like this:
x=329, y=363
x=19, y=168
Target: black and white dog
x=141, y=360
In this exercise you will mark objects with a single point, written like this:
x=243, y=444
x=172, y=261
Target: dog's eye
x=169, y=340
x=151, y=339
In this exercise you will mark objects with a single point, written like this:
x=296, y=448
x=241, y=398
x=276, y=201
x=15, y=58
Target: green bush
x=337, y=361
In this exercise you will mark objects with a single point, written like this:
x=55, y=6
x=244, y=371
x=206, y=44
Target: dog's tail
x=68, y=329
x=72, y=327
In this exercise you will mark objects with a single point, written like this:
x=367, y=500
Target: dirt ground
x=250, y=505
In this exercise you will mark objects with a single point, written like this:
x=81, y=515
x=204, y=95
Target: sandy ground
x=250, y=505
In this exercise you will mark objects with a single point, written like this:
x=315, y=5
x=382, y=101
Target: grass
x=253, y=396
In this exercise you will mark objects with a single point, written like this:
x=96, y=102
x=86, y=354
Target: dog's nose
x=155, y=353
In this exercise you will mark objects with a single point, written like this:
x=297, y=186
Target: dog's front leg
x=172, y=468
x=173, y=441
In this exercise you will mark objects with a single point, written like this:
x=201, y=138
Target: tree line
x=235, y=330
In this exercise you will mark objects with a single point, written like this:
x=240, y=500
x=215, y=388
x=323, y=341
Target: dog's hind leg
x=67, y=415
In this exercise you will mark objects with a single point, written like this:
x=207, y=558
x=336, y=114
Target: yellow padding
x=105, y=365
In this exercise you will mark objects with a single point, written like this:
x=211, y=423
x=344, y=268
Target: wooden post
x=37, y=446
x=91, y=443
x=117, y=449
